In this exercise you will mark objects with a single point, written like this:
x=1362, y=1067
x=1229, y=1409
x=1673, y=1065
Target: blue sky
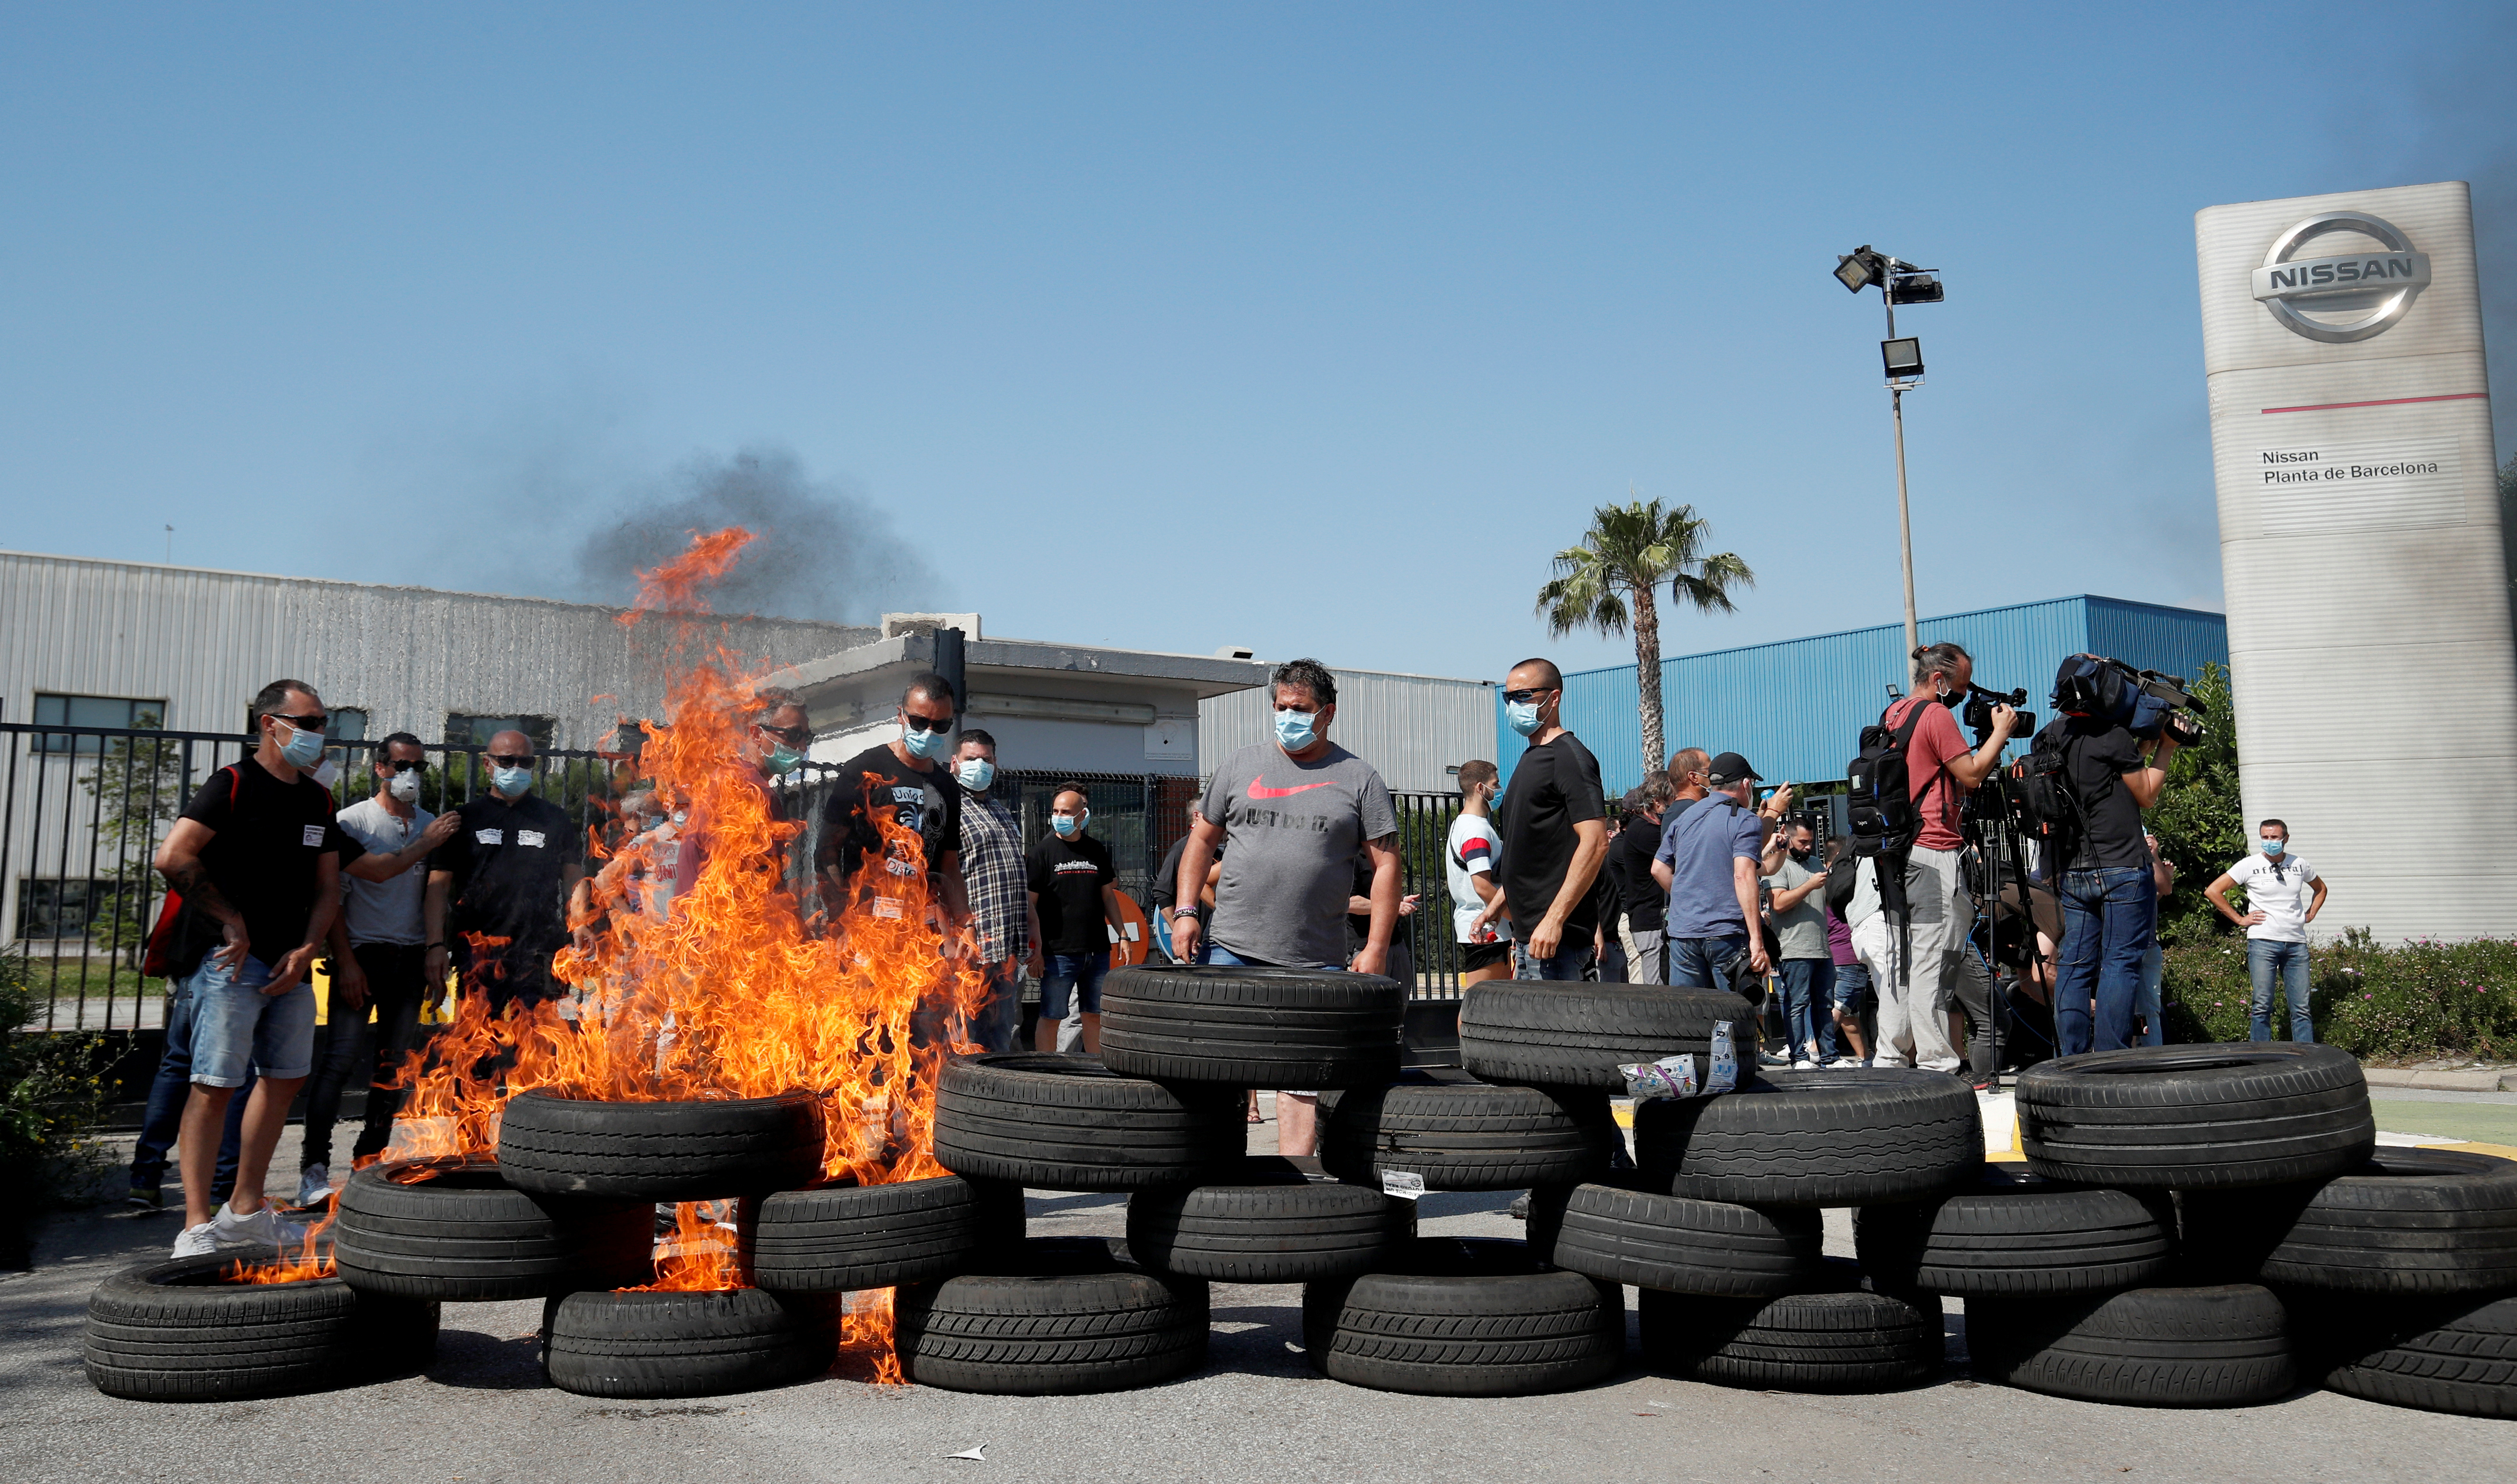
x=1312, y=329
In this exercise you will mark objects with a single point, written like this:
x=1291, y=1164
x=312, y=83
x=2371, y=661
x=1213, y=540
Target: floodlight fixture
x=1861, y=268
x=1920, y=285
x=1904, y=359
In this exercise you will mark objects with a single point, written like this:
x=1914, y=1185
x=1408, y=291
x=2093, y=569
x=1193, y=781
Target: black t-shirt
x=508, y=859
x=1166, y=887
x=1647, y=905
x=1554, y=788
x=1067, y=876
x=2098, y=755
x=928, y=805
x=265, y=839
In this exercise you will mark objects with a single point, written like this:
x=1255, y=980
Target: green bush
x=2411, y=999
x=52, y=1096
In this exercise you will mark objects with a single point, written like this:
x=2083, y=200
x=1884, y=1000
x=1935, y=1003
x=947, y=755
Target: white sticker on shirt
x=488, y=837
x=528, y=837
x=314, y=835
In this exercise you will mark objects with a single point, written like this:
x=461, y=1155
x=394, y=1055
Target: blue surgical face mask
x=1068, y=826
x=975, y=774
x=782, y=759
x=511, y=782
x=1522, y=716
x=923, y=745
x=304, y=748
x=1295, y=730
x=2275, y=847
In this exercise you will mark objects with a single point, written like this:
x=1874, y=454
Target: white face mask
x=404, y=786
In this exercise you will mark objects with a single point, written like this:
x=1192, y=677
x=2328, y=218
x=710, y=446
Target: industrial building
x=1795, y=708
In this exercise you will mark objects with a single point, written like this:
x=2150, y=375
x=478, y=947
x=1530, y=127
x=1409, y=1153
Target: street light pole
x=1904, y=516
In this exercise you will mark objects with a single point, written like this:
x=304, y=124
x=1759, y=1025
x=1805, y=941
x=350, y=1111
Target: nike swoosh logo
x=1260, y=790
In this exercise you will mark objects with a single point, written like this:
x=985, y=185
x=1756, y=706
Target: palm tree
x=1608, y=583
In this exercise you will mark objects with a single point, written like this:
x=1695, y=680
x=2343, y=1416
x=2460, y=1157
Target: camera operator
x=2109, y=895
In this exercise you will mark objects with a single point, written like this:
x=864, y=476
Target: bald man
x=506, y=873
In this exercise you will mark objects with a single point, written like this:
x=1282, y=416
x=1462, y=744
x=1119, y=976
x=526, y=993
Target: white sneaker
x=1846, y=1063
x=196, y=1241
x=263, y=1228
x=1805, y=1065
x=314, y=1186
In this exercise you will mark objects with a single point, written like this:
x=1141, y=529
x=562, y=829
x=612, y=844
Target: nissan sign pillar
x=2361, y=551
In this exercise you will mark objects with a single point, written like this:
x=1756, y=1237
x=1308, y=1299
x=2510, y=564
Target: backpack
x=1882, y=815
x=2053, y=816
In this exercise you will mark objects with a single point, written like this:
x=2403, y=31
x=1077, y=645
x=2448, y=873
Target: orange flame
x=305, y=1263
x=701, y=1257
x=735, y=988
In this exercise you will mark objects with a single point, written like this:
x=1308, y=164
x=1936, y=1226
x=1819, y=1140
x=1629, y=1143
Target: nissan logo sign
x=2372, y=290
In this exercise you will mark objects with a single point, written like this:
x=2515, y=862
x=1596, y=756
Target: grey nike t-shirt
x=1292, y=831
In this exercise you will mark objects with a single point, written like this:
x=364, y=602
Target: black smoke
x=821, y=551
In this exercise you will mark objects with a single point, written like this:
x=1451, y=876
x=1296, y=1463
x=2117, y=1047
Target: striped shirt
x=991, y=871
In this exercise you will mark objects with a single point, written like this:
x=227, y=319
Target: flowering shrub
x=2416, y=999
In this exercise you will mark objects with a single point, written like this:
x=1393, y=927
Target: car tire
x=644, y=1343
x=1463, y=1136
x=1068, y=1123
x=660, y=1151
x=1712, y=1249
x=2223, y=1345
x=2454, y=1355
x=1058, y=1316
x=456, y=1232
x=2408, y=1221
x=1569, y=1034
x=1465, y=1316
x=1815, y=1138
x=179, y=1332
x=1829, y=1335
x=2196, y=1118
x=2016, y=1232
x=845, y=1236
x=1264, y=1221
x=1253, y=1026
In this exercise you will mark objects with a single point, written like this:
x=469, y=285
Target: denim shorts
x=1080, y=973
x=1852, y=988
x=235, y=1025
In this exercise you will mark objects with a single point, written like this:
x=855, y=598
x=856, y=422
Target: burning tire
x=2222, y=1346
x=1831, y=1335
x=1816, y=1138
x=452, y=1231
x=1067, y=1122
x=2017, y=1233
x=1460, y=1316
x=1263, y=1222
x=883, y=1236
x=182, y=1331
x=1655, y=1241
x=1060, y=1316
x=2197, y=1117
x=2407, y=1221
x=1465, y=1137
x=666, y=1151
x=1578, y=1034
x=645, y=1343
x=1253, y=1026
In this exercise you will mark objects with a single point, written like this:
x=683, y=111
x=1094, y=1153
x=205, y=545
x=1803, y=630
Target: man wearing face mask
x=511, y=866
x=772, y=746
x=383, y=930
x=1471, y=855
x=907, y=775
x=994, y=878
x=1072, y=884
x=1554, y=819
x=2284, y=895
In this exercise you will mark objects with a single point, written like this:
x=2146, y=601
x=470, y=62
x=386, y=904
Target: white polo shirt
x=2282, y=889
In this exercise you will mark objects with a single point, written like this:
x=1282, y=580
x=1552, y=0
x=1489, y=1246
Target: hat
x=1729, y=768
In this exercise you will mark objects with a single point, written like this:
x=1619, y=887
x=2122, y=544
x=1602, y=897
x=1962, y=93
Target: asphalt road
x=482, y=1414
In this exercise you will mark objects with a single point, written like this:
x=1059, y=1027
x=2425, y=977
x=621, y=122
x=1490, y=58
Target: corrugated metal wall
x=205, y=641
x=1795, y=707
x=1410, y=727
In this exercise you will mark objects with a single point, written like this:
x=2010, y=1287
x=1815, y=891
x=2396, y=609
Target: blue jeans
x=1572, y=963
x=2146, y=1004
x=1696, y=962
x=167, y=1095
x=237, y=1028
x=2109, y=919
x=1809, y=1007
x=1215, y=952
x=1077, y=972
x=2265, y=960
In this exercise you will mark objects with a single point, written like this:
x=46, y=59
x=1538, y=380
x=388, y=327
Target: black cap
x=1729, y=768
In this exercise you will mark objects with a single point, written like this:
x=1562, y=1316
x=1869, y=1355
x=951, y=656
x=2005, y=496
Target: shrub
x=52, y=1096
x=2417, y=999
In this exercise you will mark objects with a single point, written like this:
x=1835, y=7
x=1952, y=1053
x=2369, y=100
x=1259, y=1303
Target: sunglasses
x=315, y=723
x=793, y=737
x=1524, y=697
x=512, y=760
x=393, y=766
x=916, y=723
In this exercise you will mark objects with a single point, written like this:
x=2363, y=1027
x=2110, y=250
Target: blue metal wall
x=1795, y=707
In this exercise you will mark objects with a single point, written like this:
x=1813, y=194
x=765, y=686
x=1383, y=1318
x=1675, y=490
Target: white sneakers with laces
x=263, y=1228
x=196, y=1241
x=1846, y=1064
x=1804, y=1065
x=314, y=1186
